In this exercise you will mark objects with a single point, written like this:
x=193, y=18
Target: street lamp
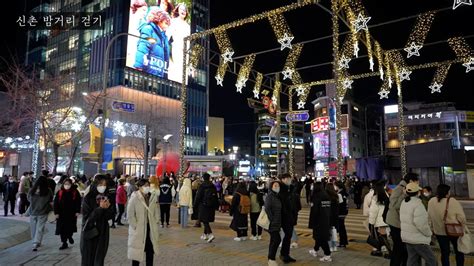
x=104, y=88
x=166, y=139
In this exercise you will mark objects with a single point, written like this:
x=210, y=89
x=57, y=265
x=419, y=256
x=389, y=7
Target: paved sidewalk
x=13, y=232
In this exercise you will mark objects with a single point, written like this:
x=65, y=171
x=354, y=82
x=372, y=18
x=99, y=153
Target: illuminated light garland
x=351, y=45
x=361, y=22
x=419, y=33
x=221, y=70
x=290, y=134
x=293, y=56
x=401, y=130
x=458, y=3
x=258, y=85
x=439, y=77
x=196, y=52
x=244, y=72
x=276, y=92
x=388, y=71
x=224, y=44
x=461, y=48
x=281, y=29
x=368, y=41
x=379, y=54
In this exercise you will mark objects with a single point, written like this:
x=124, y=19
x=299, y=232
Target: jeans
x=24, y=203
x=399, y=252
x=285, y=245
x=207, y=228
x=165, y=213
x=341, y=229
x=445, y=250
x=121, y=209
x=183, y=214
x=12, y=206
x=273, y=246
x=418, y=251
x=256, y=230
x=37, y=223
x=294, y=236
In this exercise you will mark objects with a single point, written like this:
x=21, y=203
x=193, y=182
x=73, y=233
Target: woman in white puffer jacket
x=415, y=229
x=377, y=227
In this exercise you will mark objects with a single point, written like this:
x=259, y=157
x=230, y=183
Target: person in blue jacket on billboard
x=153, y=50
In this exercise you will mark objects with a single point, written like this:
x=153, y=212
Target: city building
x=266, y=146
x=215, y=136
x=78, y=56
x=437, y=139
x=323, y=129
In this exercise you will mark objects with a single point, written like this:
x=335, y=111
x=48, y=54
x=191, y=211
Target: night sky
x=310, y=23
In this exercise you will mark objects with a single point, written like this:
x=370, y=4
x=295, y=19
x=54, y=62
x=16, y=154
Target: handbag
x=190, y=211
x=90, y=233
x=452, y=229
x=465, y=243
x=372, y=239
x=263, y=220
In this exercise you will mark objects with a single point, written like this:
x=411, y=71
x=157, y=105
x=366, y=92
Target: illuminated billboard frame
x=162, y=26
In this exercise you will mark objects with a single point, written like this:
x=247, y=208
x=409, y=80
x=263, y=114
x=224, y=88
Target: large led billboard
x=162, y=26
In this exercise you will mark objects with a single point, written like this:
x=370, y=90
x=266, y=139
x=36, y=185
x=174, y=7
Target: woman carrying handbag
x=443, y=211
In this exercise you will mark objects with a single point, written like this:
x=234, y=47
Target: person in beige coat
x=436, y=209
x=185, y=202
x=143, y=218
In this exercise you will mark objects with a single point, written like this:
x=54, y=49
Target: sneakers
x=313, y=253
x=71, y=241
x=287, y=259
x=243, y=238
x=259, y=237
x=162, y=226
x=211, y=237
x=326, y=259
x=333, y=249
x=168, y=226
x=254, y=238
x=294, y=245
x=237, y=239
x=203, y=237
x=272, y=263
x=64, y=246
x=35, y=247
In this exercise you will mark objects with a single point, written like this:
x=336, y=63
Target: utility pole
x=146, y=149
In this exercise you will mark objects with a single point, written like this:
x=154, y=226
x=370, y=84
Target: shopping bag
x=263, y=220
x=333, y=234
x=465, y=242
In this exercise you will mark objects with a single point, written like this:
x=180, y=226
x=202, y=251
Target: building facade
x=437, y=138
x=79, y=55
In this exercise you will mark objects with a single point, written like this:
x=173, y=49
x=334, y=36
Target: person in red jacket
x=121, y=199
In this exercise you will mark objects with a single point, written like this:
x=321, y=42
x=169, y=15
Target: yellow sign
x=469, y=117
x=94, y=146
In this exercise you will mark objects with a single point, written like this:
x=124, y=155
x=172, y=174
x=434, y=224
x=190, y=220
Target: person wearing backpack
x=206, y=202
x=239, y=210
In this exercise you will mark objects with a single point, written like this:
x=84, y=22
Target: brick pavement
x=182, y=247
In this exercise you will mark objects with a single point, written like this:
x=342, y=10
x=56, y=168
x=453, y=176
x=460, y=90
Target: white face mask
x=276, y=190
x=146, y=190
x=426, y=194
x=101, y=189
x=67, y=187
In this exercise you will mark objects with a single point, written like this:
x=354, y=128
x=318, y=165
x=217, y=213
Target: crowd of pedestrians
x=403, y=221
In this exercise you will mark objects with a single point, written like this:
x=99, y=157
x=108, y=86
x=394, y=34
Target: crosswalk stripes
x=354, y=224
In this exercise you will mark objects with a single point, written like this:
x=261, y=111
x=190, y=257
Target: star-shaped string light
x=413, y=49
x=344, y=62
x=301, y=104
x=227, y=55
x=383, y=94
x=436, y=87
x=405, y=74
x=274, y=99
x=458, y=3
x=360, y=23
x=285, y=41
x=256, y=94
x=469, y=64
x=300, y=91
x=347, y=83
x=219, y=80
x=288, y=73
x=239, y=85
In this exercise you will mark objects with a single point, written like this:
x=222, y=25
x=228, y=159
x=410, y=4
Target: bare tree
x=48, y=101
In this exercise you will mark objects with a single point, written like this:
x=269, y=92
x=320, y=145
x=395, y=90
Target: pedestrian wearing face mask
x=289, y=216
x=426, y=195
x=67, y=206
x=143, y=221
x=273, y=208
x=10, y=189
x=96, y=213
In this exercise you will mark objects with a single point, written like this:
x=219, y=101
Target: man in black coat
x=207, y=203
x=289, y=216
x=10, y=189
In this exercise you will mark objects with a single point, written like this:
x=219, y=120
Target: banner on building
x=108, y=147
x=94, y=146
